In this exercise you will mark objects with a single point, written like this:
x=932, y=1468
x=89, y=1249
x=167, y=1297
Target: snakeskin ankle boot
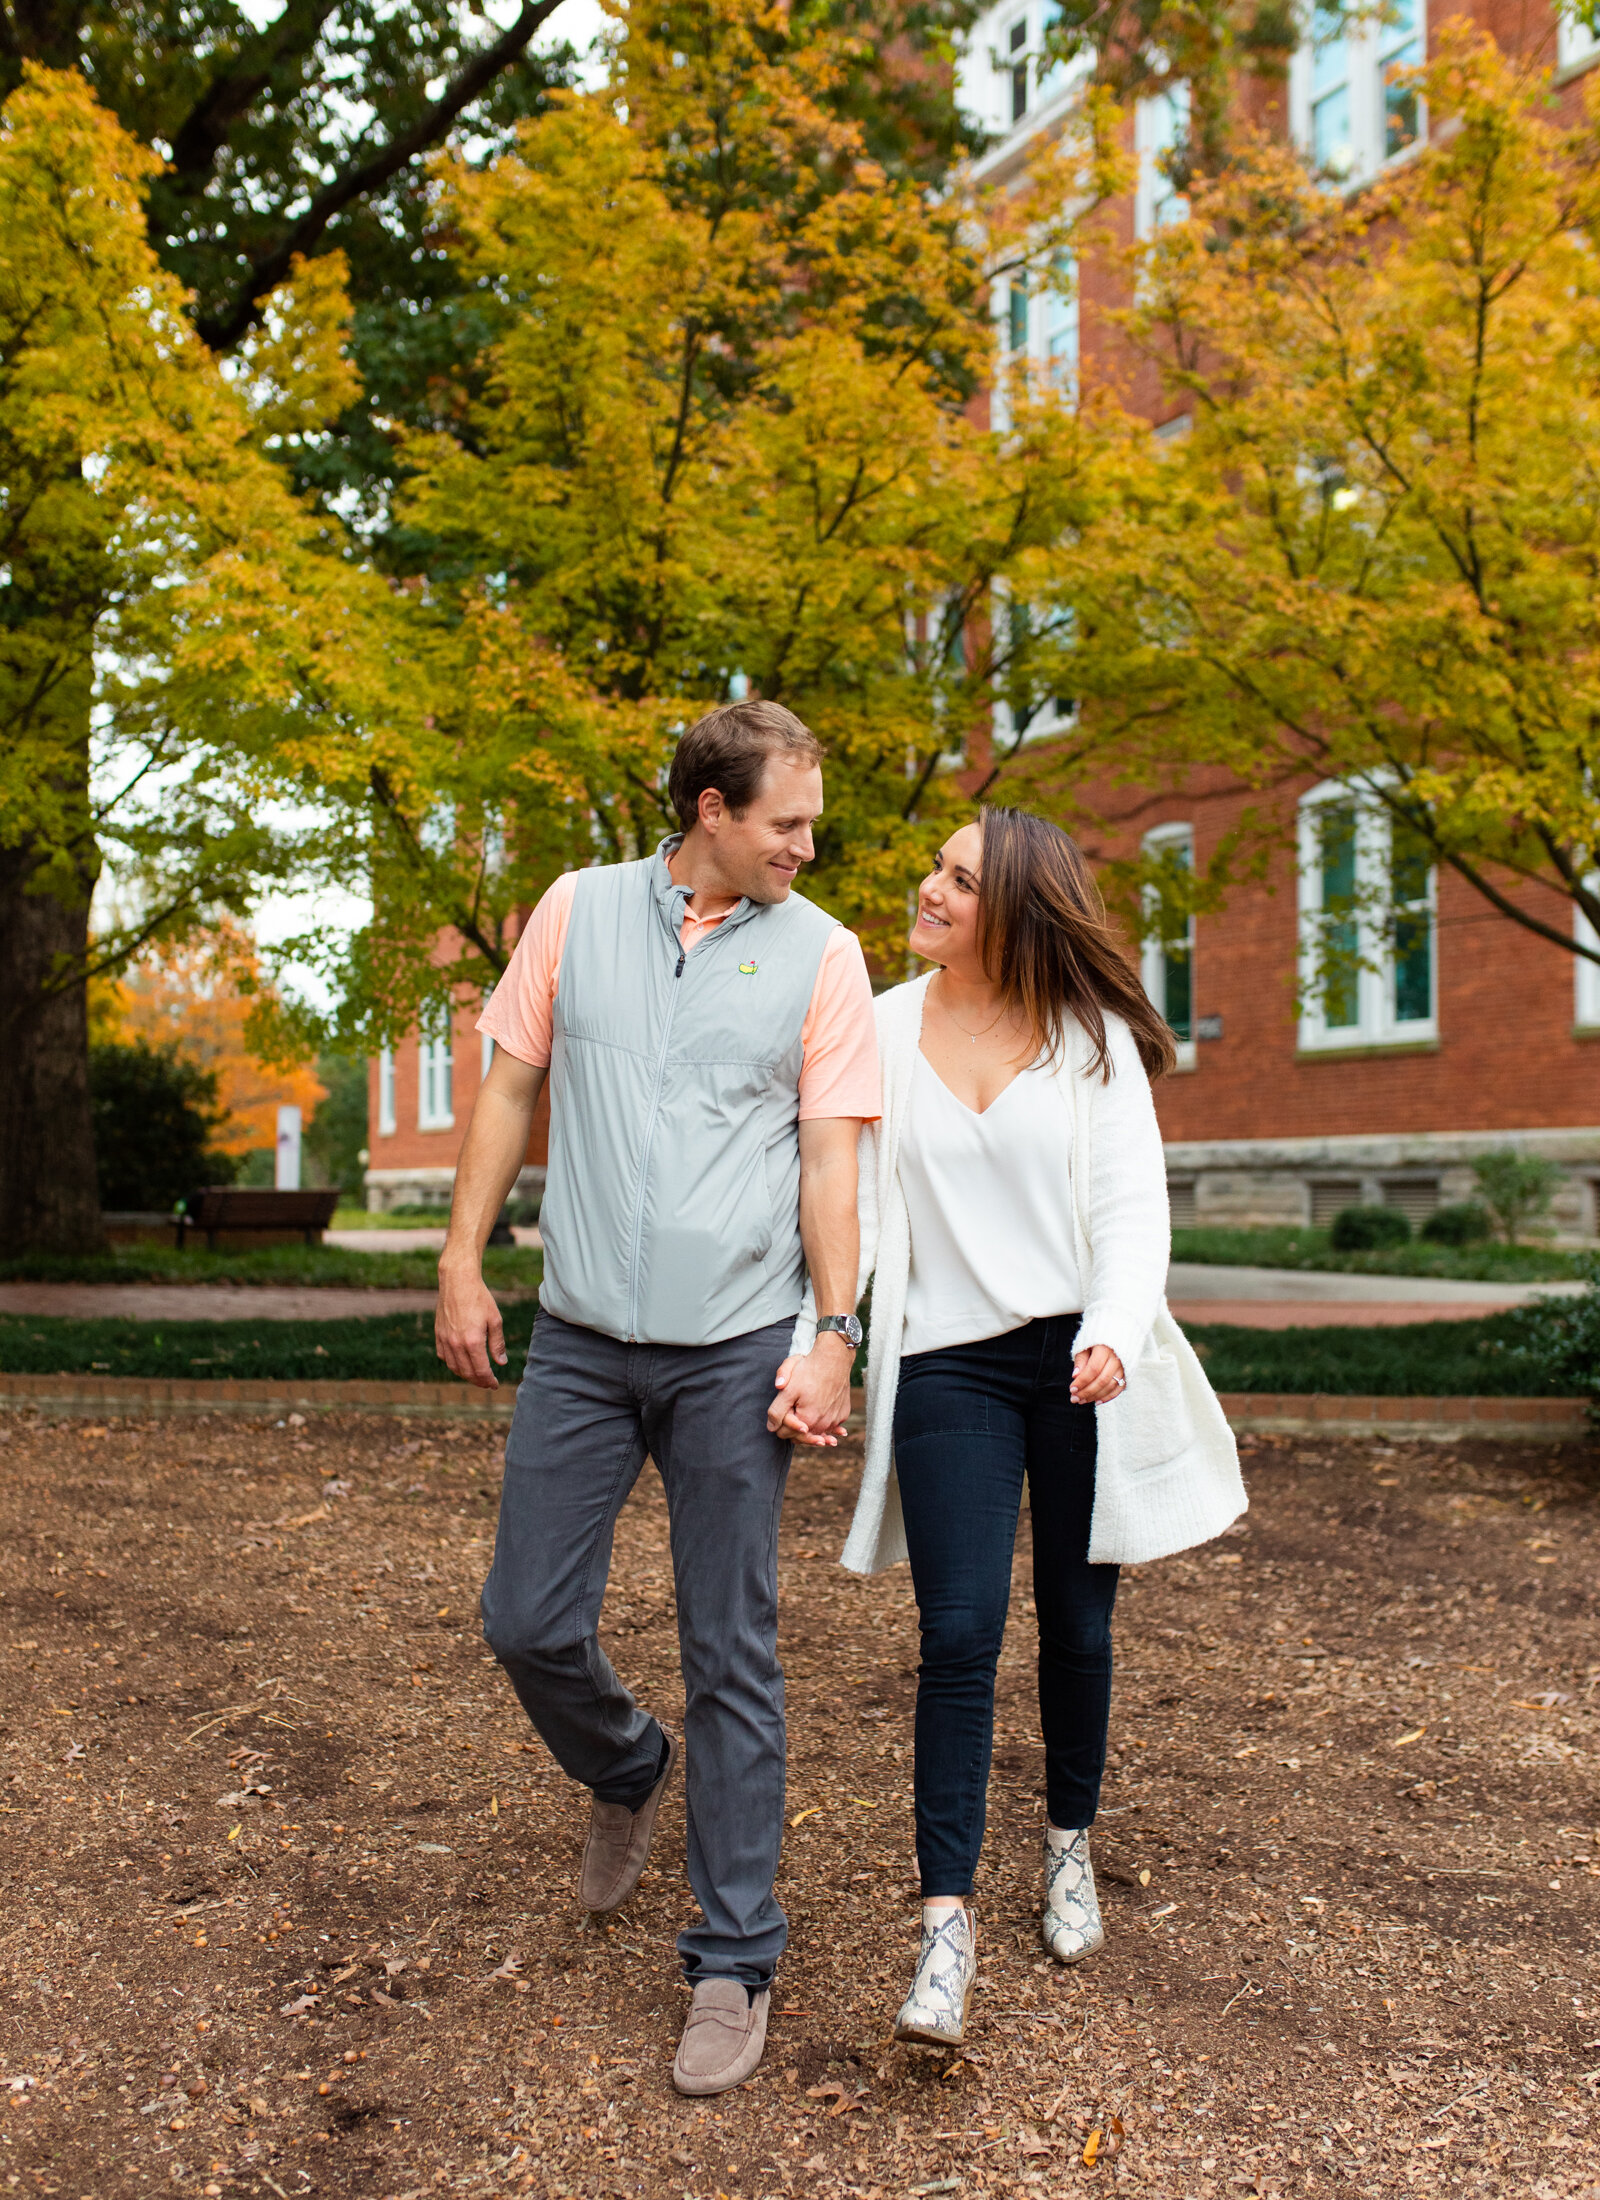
x=1071, y=1923
x=935, y=2010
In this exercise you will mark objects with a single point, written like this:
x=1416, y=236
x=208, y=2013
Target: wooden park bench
x=286, y=1214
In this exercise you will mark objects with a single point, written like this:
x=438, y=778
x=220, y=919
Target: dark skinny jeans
x=969, y=1422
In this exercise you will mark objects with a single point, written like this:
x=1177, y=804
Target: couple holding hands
x=741, y=1138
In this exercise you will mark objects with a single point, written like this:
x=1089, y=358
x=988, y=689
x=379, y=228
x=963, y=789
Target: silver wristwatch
x=847, y=1326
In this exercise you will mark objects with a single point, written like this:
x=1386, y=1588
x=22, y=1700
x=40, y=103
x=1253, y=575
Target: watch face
x=846, y=1324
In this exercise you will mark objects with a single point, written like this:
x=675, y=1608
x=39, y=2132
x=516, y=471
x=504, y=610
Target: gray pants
x=589, y=1410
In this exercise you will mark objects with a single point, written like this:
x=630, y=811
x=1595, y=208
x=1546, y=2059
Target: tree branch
x=233, y=90
x=221, y=331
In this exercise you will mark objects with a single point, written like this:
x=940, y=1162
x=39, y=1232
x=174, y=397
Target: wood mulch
x=288, y=1893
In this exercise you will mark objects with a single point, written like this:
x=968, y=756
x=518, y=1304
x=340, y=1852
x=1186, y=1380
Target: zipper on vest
x=649, y=1141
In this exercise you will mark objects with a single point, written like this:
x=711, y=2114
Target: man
x=710, y=1045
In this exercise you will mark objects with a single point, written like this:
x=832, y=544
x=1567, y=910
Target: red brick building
x=1462, y=1032
x=420, y=1098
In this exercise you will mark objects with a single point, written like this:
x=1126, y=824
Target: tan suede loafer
x=724, y=2038
x=618, y=1847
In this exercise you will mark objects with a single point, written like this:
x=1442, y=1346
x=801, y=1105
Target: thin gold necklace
x=974, y=1036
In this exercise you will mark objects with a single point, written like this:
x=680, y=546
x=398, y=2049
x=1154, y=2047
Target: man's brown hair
x=728, y=749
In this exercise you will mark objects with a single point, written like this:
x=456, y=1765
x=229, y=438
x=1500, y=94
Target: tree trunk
x=49, y=1197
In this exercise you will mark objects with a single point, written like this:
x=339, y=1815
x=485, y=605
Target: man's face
x=760, y=853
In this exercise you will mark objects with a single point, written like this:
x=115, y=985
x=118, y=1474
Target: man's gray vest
x=671, y=1211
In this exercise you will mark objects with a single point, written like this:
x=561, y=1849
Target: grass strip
x=1465, y=1359
x=1420, y=1359
x=1290, y=1248
x=384, y=1348
x=336, y=1266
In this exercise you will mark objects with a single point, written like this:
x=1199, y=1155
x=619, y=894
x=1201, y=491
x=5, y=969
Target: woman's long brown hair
x=1046, y=941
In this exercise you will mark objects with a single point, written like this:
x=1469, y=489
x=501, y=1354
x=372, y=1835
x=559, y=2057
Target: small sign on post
x=286, y=1163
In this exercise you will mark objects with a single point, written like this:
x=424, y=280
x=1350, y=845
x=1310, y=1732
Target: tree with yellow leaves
x=172, y=611
x=1375, y=557
x=725, y=443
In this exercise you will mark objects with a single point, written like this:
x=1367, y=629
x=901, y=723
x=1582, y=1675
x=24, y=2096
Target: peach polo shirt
x=839, y=1072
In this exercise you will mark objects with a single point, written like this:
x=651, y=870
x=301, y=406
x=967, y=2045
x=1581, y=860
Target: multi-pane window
x=435, y=1077
x=1367, y=925
x=1017, y=65
x=1351, y=109
x=386, y=1118
x=1588, y=971
x=1399, y=49
x=1061, y=324
x=1017, y=314
x=1575, y=42
x=1161, y=128
x=1332, y=109
x=1167, y=956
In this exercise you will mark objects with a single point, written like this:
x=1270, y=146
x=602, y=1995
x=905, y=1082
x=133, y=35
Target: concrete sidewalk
x=1256, y=1298
x=1308, y=1298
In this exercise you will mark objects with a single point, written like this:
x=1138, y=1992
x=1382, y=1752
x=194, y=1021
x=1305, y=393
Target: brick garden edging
x=1546, y=1420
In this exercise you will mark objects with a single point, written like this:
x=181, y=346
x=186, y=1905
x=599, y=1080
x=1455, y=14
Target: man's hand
x=813, y=1401
x=467, y=1330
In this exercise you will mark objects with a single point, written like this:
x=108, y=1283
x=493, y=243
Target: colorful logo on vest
x=747, y=970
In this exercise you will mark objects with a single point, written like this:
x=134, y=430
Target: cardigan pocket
x=1154, y=1422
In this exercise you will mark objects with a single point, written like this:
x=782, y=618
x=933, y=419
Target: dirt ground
x=289, y=1896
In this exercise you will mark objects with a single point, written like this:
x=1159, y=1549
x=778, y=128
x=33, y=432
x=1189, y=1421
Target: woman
x=1015, y=1195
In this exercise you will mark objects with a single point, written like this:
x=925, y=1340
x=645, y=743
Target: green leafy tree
x=248, y=148
x=723, y=441
x=336, y=1138
x=152, y=553
x=1372, y=558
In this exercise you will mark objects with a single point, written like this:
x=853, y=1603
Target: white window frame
x=1586, y=978
x=1158, y=124
x=1576, y=44
x=435, y=1070
x=386, y=1116
x=1153, y=950
x=1367, y=42
x=1048, y=721
x=1376, y=1023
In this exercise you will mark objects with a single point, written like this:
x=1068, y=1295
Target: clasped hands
x=813, y=1400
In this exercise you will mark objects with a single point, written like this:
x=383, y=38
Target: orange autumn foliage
x=186, y=998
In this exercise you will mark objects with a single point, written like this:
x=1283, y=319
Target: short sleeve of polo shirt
x=519, y=1014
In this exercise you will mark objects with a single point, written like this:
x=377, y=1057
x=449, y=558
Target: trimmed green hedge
x=1421, y=1359
x=390, y=1348
x=1288, y=1248
x=1463, y=1359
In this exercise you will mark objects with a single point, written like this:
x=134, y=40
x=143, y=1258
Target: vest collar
x=671, y=899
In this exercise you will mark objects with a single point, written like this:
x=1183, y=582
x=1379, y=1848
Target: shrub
x=1464, y=1224
x=154, y=1117
x=1368, y=1229
x=1516, y=1188
x=1559, y=1339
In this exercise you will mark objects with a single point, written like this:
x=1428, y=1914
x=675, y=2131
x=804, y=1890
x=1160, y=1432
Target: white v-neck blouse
x=989, y=1199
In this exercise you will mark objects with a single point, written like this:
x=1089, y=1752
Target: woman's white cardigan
x=1167, y=1471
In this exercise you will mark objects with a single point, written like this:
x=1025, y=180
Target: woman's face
x=946, y=930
